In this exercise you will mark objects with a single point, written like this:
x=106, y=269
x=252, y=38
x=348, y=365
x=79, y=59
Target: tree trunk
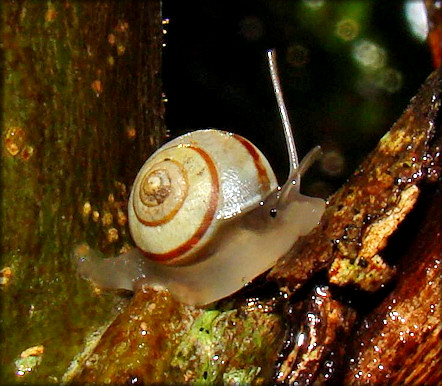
x=82, y=109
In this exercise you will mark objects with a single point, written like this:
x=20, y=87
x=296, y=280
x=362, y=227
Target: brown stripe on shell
x=175, y=254
x=263, y=177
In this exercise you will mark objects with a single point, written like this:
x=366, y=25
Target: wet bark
x=399, y=342
x=387, y=215
x=81, y=110
x=367, y=210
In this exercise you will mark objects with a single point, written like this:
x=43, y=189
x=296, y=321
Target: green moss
x=244, y=376
x=228, y=345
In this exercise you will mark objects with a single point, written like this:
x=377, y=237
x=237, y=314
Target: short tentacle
x=293, y=183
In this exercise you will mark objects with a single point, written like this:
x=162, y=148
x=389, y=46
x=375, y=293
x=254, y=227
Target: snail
x=207, y=216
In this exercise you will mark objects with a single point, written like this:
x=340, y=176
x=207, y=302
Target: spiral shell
x=188, y=187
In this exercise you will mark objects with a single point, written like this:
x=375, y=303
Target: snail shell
x=189, y=187
x=207, y=216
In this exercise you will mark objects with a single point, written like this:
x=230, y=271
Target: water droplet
x=112, y=235
x=87, y=208
x=121, y=49
x=97, y=86
x=95, y=215
x=111, y=39
x=14, y=140
x=27, y=153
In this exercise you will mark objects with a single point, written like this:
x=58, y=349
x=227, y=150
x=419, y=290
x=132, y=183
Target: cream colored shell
x=188, y=187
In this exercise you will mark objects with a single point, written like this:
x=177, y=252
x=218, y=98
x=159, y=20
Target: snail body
x=207, y=216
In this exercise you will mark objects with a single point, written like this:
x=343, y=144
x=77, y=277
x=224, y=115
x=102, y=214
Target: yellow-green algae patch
x=233, y=345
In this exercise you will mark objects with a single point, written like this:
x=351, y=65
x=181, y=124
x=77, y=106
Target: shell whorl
x=187, y=188
x=161, y=191
x=174, y=200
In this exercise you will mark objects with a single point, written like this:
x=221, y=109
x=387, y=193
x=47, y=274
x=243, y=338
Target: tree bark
x=82, y=109
x=399, y=342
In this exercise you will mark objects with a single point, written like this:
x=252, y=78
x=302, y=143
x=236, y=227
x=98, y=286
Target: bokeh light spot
x=390, y=79
x=369, y=55
x=347, y=29
x=416, y=15
x=332, y=163
x=298, y=55
x=251, y=28
x=314, y=4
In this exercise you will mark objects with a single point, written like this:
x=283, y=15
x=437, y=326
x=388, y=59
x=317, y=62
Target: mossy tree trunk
x=82, y=109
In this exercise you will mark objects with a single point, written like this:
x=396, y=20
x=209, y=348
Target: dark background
x=215, y=75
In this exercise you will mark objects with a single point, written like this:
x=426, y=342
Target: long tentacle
x=291, y=147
